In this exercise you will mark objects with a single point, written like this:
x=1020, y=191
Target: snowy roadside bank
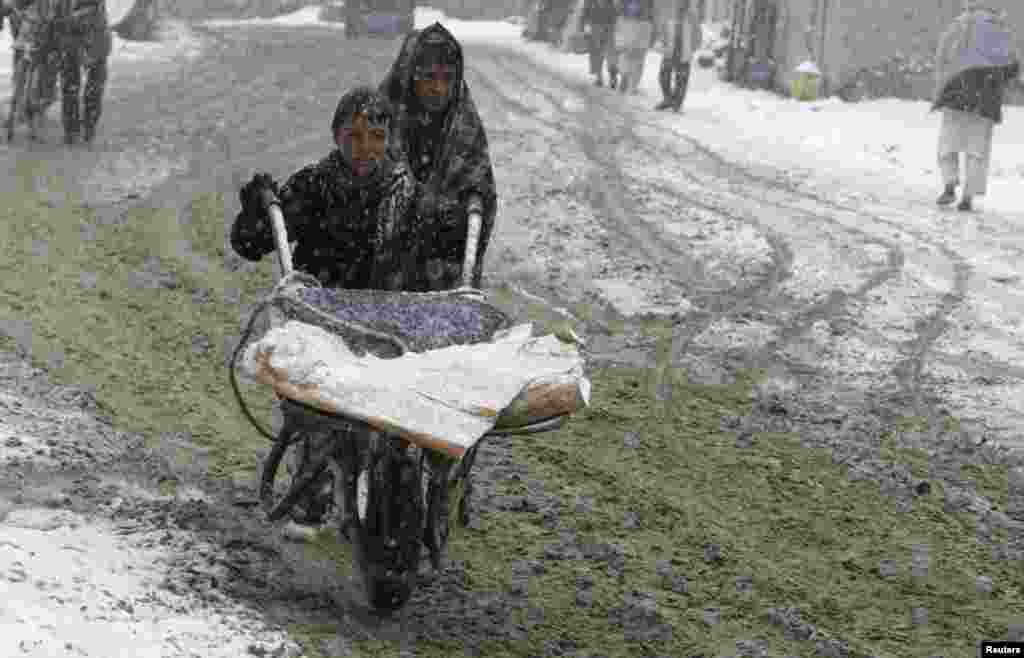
x=90, y=561
x=78, y=586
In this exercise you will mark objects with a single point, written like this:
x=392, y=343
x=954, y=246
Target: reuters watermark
x=1001, y=649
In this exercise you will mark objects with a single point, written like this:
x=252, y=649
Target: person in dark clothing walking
x=441, y=134
x=680, y=37
x=599, y=23
x=85, y=43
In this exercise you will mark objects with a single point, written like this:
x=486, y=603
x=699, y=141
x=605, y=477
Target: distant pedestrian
x=86, y=43
x=634, y=35
x=679, y=27
x=599, y=22
x=976, y=58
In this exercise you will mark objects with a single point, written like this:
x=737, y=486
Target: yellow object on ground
x=807, y=83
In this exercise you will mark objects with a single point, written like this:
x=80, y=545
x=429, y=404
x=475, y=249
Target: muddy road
x=862, y=308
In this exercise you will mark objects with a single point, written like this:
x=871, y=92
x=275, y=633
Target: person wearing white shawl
x=975, y=60
x=634, y=35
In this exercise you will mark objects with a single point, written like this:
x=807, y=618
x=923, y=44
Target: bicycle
x=391, y=498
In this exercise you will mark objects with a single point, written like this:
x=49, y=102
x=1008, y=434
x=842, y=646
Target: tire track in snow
x=908, y=372
x=608, y=194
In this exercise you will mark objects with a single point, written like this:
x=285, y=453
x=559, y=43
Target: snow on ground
x=97, y=570
x=305, y=17
x=81, y=587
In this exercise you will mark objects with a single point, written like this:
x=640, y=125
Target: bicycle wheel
x=388, y=524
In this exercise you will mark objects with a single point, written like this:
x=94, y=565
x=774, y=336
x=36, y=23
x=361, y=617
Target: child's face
x=362, y=143
x=433, y=85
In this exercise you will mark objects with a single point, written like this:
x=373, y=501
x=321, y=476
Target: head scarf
x=462, y=162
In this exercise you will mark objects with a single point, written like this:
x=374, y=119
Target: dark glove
x=255, y=194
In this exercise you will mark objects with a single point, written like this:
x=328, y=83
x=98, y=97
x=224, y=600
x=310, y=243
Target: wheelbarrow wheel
x=388, y=526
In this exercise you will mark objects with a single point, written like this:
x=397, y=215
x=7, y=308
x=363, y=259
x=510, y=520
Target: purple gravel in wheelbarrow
x=424, y=321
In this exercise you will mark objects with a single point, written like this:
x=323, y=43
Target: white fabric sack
x=444, y=399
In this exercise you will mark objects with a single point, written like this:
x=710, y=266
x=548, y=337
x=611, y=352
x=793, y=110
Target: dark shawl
x=460, y=164
x=975, y=60
x=351, y=232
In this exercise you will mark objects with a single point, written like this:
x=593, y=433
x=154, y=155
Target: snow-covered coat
x=351, y=232
x=975, y=58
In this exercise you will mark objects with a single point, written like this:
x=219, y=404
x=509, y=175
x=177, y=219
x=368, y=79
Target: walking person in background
x=679, y=28
x=976, y=58
x=634, y=35
x=599, y=22
x=32, y=24
x=86, y=43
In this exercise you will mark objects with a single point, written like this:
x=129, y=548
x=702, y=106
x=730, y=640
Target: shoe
x=965, y=204
x=70, y=140
x=598, y=81
x=948, y=196
x=663, y=105
x=624, y=84
x=613, y=81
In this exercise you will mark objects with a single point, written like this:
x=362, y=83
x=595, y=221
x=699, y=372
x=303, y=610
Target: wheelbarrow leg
x=465, y=510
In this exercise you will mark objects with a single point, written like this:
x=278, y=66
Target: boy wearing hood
x=351, y=212
x=976, y=59
x=441, y=135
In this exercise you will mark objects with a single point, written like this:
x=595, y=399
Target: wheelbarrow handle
x=474, y=223
x=284, y=251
